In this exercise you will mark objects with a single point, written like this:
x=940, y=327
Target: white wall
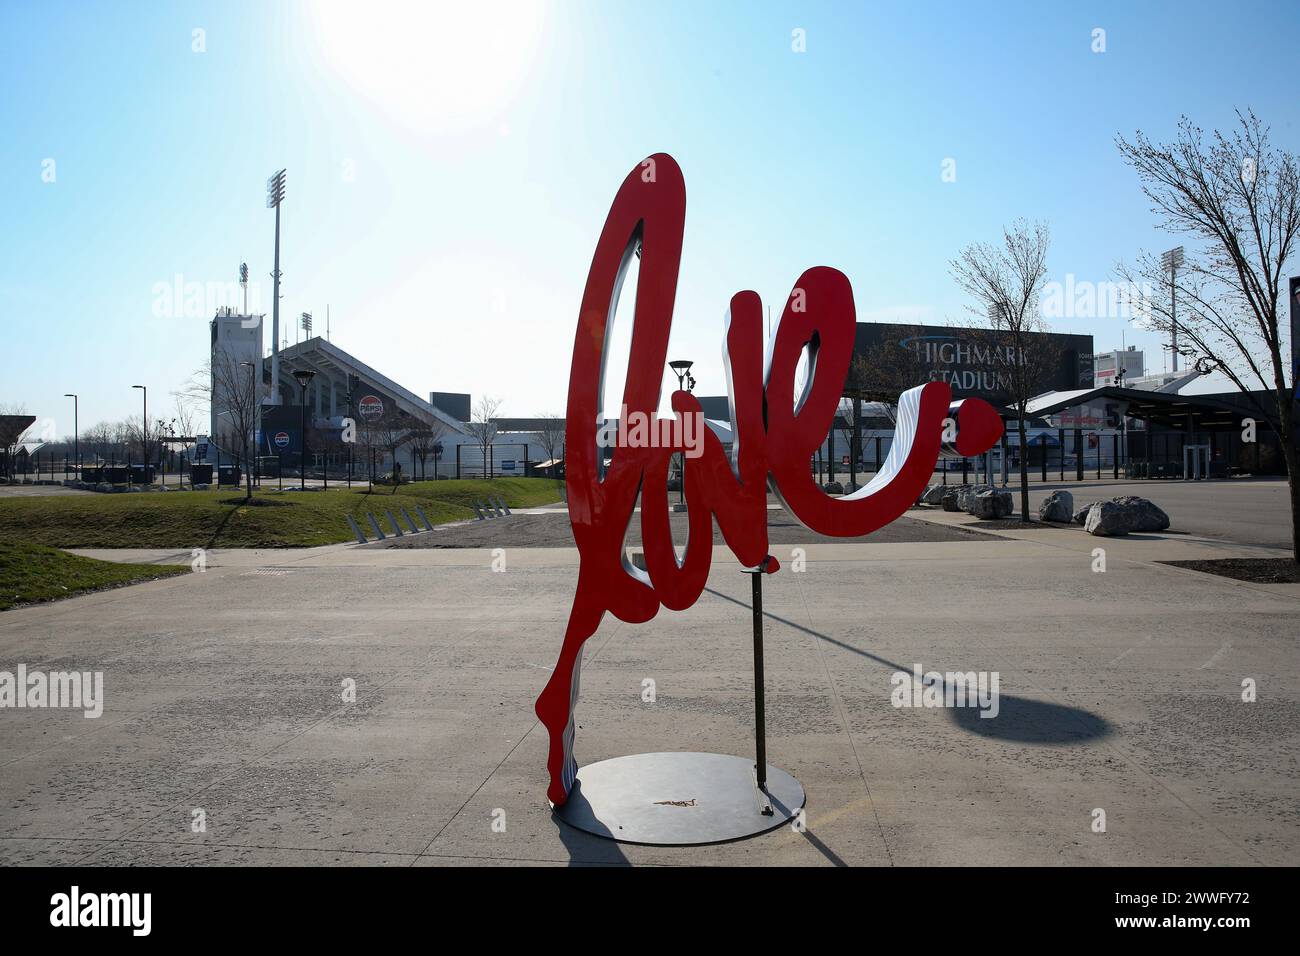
x=240, y=338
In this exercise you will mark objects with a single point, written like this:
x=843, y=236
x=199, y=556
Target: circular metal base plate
x=679, y=799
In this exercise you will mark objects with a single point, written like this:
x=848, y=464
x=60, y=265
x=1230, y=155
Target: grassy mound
x=223, y=519
x=30, y=573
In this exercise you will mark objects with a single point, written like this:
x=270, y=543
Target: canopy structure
x=1172, y=410
x=12, y=428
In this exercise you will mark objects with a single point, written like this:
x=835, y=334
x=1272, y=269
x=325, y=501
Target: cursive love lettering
x=775, y=433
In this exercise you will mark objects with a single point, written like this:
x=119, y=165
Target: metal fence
x=1066, y=455
x=505, y=460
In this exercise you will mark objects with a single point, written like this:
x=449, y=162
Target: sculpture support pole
x=760, y=720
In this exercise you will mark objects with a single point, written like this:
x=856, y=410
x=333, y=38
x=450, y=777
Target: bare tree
x=368, y=440
x=1006, y=282
x=890, y=366
x=188, y=412
x=121, y=437
x=424, y=440
x=483, y=427
x=387, y=433
x=550, y=435
x=186, y=417
x=98, y=439
x=237, y=391
x=1240, y=199
x=131, y=436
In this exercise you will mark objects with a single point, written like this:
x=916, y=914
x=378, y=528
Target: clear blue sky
x=450, y=166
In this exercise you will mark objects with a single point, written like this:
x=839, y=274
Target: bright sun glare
x=435, y=66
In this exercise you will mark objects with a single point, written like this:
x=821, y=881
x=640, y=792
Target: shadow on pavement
x=587, y=849
x=1027, y=721
x=1019, y=720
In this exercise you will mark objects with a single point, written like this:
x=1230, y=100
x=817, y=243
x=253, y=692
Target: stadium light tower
x=306, y=324
x=274, y=197
x=1171, y=260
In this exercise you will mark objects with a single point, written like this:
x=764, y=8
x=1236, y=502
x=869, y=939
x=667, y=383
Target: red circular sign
x=370, y=407
x=282, y=439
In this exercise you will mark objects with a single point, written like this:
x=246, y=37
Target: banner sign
x=957, y=356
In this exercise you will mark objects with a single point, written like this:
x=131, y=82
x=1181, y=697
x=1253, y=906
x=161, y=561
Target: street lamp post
x=304, y=377
x=1120, y=374
x=682, y=369
x=76, y=431
x=144, y=421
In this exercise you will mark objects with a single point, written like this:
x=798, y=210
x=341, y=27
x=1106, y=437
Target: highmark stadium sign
x=948, y=356
x=969, y=366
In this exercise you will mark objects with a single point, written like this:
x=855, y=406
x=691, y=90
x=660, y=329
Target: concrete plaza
x=1120, y=691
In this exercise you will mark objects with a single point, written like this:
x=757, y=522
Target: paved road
x=1119, y=691
x=552, y=530
x=1245, y=510
x=1241, y=511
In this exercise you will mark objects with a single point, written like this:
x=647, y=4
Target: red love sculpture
x=775, y=433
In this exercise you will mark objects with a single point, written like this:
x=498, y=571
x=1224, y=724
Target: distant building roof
x=528, y=424
x=12, y=426
x=323, y=354
x=1207, y=411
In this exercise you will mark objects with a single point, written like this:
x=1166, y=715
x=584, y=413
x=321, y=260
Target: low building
x=358, y=421
x=1109, y=368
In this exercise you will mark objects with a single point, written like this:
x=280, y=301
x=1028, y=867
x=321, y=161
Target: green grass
x=30, y=573
x=221, y=519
